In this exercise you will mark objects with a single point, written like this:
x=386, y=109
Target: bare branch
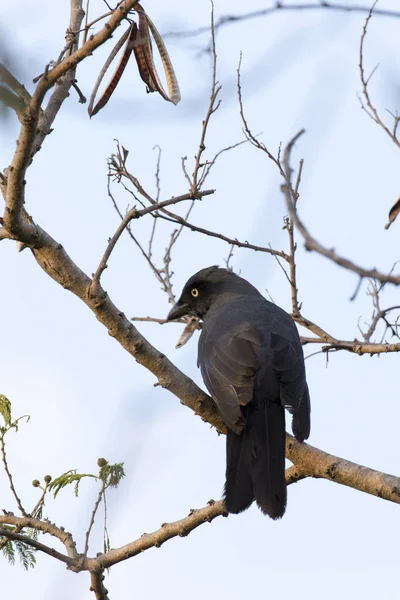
x=225, y=20
x=97, y=585
x=197, y=179
x=308, y=462
x=370, y=108
x=15, y=220
x=61, y=91
x=20, y=91
x=43, y=526
x=8, y=473
x=136, y=214
x=292, y=248
x=316, y=463
x=29, y=541
x=246, y=129
x=167, y=531
x=311, y=243
x=155, y=320
x=93, y=516
x=4, y=235
x=173, y=218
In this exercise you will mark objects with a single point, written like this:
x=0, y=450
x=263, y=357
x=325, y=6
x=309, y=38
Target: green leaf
x=112, y=474
x=5, y=409
x=12, y=547
x=67, y=478
x=9, y=552
x=26, y=555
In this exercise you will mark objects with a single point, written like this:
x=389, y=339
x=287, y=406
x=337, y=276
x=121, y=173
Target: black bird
x=252, y=363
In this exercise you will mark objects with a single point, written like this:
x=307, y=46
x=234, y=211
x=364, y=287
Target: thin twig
x=136, y=214
x=311, y=243
x=370, y=108
x=225, y=20
x=92, y=518
x=155, y=320
x=8, y=473
x=197, y=179
x=246, y=129
x=177, y=219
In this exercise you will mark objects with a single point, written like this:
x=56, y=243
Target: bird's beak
x=180, y=309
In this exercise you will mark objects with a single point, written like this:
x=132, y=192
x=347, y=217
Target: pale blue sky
x=88, y=398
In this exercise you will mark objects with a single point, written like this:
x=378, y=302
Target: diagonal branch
x=13, y=83
x=61, y=91
x=15, y=220
x=370, y=108
x=311, y=243
x=43, y=526
x=29, y=541
x=308, y=462
x=136, y=214
x=317, y=463
x=173, y=218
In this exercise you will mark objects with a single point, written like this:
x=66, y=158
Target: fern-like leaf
x=112, y=474
x=5, y=410
x=67, y=478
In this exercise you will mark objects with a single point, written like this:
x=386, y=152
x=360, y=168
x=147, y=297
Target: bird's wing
x=229, y=366
x=288, y=364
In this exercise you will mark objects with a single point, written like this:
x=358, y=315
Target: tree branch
x=15, y=220
x=136, y=214
x=8, y=473
x=100, y=496
x=12, y=535
x=13, y=83
x=97, y=585
x=173, y=218
x=43, y=526
x=317, y=463
x=225, y=20
x=311, y=243
x=370, y=108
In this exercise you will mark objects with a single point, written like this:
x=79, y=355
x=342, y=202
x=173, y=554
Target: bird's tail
x=301, y=418
x=255, y=462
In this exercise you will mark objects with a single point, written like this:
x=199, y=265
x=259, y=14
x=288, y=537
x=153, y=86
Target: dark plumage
x=252, y=363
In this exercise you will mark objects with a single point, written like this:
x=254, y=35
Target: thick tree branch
x=12, y=535
x=317, y=463
x=53, y=259
x=64, y=83
x=308, y=462
x=167, y=531
x=15, y=221
x=43, y=526
x=97, y=585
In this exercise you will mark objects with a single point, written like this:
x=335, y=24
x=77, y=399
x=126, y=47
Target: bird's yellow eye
x=195, y=292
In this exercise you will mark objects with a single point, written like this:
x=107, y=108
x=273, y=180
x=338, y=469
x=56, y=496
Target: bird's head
x=207, y=288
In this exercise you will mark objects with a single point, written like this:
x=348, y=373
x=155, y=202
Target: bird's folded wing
x=288, y=364
x=229, y=366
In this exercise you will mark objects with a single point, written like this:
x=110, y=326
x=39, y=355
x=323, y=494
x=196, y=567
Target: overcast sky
x=88, y=398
